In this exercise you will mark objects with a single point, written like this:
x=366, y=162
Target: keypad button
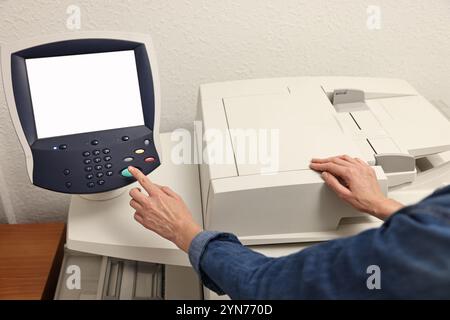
x=147, y=142
x=108, y=166
x=96, y=152
x=87, y=161
x=101, y=182
x=86, y=154
x=128, y=159
x=98, y=167
x=139, y=151
x=106, y=151
x=68, y=185
x=125, y=138
x=107, y=158
x=125, y=173
x=88, y=169
x=99, y=174
x=91, y=185
x=149, y=159
x=66, y=172
x=89, y=176
x=94, y=142
x=63, y=147
x=97, y=160
x=109, y=173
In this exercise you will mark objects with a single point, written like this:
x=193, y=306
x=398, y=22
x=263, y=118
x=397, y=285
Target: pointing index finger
x=143, y=180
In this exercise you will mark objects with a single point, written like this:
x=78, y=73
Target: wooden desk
x=30, y=260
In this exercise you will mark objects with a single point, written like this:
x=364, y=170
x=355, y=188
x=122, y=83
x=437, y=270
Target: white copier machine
x=244, y=168
x=383, y=121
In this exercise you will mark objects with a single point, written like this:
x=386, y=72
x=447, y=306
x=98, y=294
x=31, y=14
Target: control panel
x=93, y=162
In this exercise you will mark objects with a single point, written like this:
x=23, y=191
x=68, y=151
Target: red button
x=149, y=159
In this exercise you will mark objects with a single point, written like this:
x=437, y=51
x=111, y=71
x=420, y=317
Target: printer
x=247, y=169
x=377, y=120
x=290, y=208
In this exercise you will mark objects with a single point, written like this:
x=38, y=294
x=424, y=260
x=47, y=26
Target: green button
x=125, y=173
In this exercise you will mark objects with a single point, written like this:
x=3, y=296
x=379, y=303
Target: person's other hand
x=355, y=182
x=163, y=211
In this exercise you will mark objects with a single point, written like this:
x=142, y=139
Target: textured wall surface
x=200, y=41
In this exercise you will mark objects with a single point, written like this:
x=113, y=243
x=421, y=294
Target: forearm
x=186, y=232
x=336, y=269
x=226, y=266
x=385, y=208
x=243, y=273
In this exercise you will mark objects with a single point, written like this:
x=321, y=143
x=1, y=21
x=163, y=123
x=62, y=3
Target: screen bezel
x=22, y=93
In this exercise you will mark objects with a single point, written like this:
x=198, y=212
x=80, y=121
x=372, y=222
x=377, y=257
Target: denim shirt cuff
x=198, y=246
x=196, y=250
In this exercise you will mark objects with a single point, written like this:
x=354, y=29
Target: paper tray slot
x=108, y=278
x=88, y=268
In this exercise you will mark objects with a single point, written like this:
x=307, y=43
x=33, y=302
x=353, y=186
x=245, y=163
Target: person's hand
x=355, y=182
x=163, y=211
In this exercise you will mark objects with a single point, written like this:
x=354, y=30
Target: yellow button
x=139, y=151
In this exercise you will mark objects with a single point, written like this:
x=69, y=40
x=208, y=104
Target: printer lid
x=310, y=126
x=290, y=129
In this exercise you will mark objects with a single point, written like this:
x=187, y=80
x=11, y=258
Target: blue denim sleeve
x=409, y=254
x=198, y=247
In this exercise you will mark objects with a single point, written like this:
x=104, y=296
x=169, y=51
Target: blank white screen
x=84, y=93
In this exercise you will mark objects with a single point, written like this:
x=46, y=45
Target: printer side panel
x=213, y=148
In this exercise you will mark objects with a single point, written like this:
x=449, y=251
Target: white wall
x=200, y=41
